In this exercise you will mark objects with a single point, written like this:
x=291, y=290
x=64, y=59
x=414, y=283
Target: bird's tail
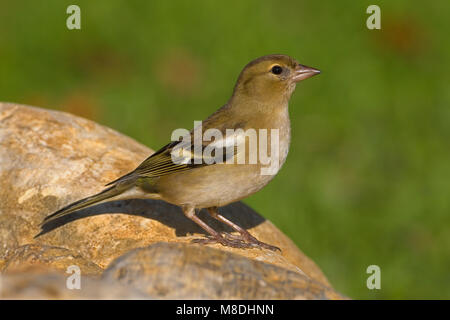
x=108, y=193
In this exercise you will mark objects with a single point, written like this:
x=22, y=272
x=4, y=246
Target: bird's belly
x=215, y=185
x=218, y=184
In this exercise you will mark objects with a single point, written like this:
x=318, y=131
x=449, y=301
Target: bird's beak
x=302, y=72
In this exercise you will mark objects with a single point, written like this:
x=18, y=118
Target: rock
x=53, y=286
x=224, y=275
x=46, y=258
x=49, y=159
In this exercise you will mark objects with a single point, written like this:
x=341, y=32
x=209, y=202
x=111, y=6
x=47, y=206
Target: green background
x=367, y=179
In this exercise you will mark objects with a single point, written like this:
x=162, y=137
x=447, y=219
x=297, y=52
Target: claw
x=236, y=241
x=250, y=239
x=225, y=241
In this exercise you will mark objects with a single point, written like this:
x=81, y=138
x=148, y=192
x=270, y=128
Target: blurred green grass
x=367, y=179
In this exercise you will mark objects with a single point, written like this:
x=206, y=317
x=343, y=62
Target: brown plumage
x=259, y=101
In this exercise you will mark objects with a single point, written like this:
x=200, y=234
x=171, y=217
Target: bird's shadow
x=166, y=213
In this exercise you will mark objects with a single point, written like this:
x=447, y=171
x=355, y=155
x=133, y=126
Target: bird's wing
x=182, y=155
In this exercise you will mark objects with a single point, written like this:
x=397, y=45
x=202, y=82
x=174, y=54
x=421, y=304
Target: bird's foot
x=226, y=240
x=252, y=241
x=236, y=241
x=247, y=237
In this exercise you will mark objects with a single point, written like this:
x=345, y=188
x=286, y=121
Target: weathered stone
x=49, y=159
x=47, y=258
x=35, y=285
x=223, y=275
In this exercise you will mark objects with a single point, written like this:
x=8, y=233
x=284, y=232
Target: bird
x=184, y=174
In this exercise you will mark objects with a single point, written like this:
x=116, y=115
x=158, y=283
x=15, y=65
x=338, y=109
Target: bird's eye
x=277, y=70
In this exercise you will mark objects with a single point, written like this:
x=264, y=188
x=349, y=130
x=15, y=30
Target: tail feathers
x=122, y=178
x=86, y=202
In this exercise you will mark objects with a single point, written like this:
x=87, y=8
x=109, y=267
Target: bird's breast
x=221, y=184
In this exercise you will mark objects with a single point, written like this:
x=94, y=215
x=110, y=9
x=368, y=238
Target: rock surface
x=49, y=159
x=223, y=276
x=40, y=286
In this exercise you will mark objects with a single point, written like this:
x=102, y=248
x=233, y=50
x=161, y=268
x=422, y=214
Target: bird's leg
x=215, y=237
x=245, y=235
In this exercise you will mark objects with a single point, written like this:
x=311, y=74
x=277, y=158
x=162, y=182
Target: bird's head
x=271, y=78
